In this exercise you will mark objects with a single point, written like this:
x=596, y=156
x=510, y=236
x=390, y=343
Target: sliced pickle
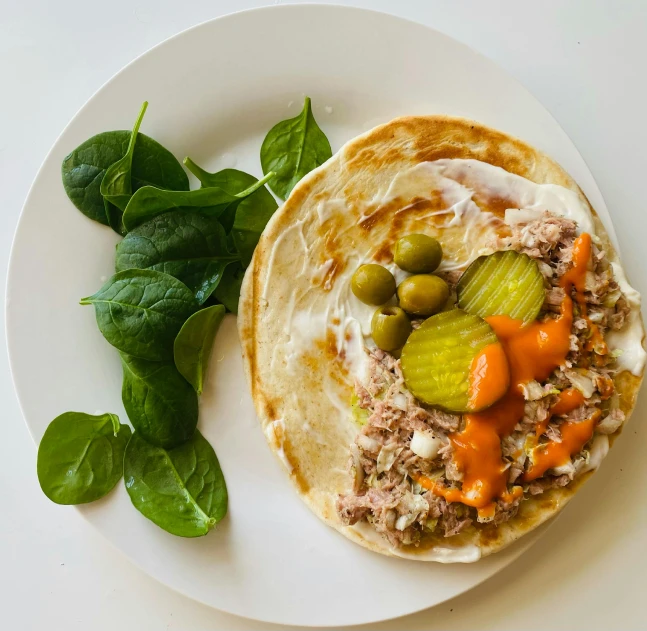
x=504, y=283
x=441, y=366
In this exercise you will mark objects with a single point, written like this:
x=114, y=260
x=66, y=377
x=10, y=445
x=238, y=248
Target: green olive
x=423, y=294
x=417, y=253
x=373, y=284
x=390, y=328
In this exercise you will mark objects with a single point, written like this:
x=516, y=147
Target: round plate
x=214, y=91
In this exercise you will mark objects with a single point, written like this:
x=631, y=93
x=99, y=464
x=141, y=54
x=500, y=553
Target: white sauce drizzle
x=629, y=339
x=597, y=452
x=528, y=195
x=275, y=432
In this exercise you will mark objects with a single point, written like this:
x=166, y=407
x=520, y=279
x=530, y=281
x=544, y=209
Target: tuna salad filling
x=404, y=463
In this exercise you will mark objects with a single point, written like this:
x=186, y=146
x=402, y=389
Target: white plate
x=214, y=91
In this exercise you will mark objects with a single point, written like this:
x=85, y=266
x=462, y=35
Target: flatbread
x=294, y=300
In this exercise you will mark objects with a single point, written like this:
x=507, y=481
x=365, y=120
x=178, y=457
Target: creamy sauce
x=629, y=339
x=275, y=433
x=597, y=453
x=521, y=193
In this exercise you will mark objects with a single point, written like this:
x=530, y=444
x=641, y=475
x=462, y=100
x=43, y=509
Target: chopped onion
x=582, y=383
x=590, y=281
x=400, y=401
x=425, y=445
x=611, y=298
x=367, y=443
x=567, y=468
x=596, y=316
x=387, y=457
x=417, y=505
x=532, y=391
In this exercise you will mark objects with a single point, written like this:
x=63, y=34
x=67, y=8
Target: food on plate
x=423, y=294
x=80, y=457
x=193, y=344
x=417, y=253
x=161, y=404
x=182, y=490
x=373, y=284
x=293, y=148
x=84, y=168
x=455, y=362
x=504, y=283
x=448, y=441
x=390, y=328
x=178, y=269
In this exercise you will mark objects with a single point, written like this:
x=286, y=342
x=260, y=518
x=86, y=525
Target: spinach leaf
x=292, y=149
x=202, y=276
x=80, y=457
x=194, y=342
x=161, y=404
x=83, y=169
x=252, y=214
x=181, y=490
x=115, y=218
x=116, y=186
x=141, y=311
x=148, y=202
x=185, y=244
x=228, y=290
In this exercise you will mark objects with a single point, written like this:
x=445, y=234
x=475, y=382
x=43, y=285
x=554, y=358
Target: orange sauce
x=569, y=400
x=576, y=277
x=554, y=454
x=489, y=377
x=533, y=351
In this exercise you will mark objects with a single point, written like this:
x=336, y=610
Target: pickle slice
x=504, y=283
x=442, y=362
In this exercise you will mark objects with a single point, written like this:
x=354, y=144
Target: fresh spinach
x=116, y=186
x=250, y=218
x=228, y=290
x=141, y=311
x=202, y=276
x=194, y=342
x=115, y=218
x=185, y=244
x=80, y=457
x=148, y=202
x=84, y=168
x=181, y=490
x=292, y=149
x=160, y=402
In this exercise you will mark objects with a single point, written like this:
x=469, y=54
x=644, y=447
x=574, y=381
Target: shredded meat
x=549, y=239
x=549, y=482
x=506, y=511
x=384, y=468
x=452, y=517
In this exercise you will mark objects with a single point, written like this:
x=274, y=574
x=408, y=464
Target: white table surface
x=584, y=59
